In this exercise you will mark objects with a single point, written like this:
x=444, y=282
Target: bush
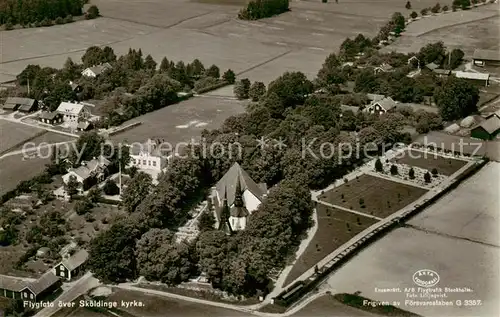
x=92, y=13
x=257, y=9
x=205, y=83
x=47, y=22
x=257, y=90
x=83, y=206
x=394, y=170
x=424, y=11
x=445, y=8
x=427, y=177
x=414, y=15
x=411, y=173
x=110, y=188
x=9, y=26
x=436, y=8
x=378, y=166
x=68, y=19
x=408, y=5
x=59, y=20
x=434, y=172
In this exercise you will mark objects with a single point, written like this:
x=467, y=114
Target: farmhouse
x=71, y=266
x=475, y=78
x=381, y=106
x=21, y=104
x=95, y=71
x=45, y=285
x=148, y=156
x=486, y=57
x=95, y=170
x=487, y=130
x=237, y=196
x=53, y=117
x=73, y=111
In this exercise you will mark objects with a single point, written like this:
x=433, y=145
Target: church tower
x=224, y=224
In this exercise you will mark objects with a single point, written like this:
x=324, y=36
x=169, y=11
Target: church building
x=235, y=197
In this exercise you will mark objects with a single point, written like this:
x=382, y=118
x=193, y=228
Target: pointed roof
x=229, y=181
x=224, y=216
x=238, y=210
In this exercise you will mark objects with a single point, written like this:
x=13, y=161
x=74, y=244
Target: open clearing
x=12, y=134
x=467, y=30
x=428, y=160
x=471, y=211
x=381, y=197
x=183, y=121
x=335, y=227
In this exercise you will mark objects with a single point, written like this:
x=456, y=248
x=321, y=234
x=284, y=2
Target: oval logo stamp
x=426, y=278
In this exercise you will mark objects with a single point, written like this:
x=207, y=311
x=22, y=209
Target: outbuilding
x=20, y=104
x=45, y=285
x=50, y=117
x=487, y=130
x=486, y=57
x=480, y=79
x=11, y=287
x=71, y=267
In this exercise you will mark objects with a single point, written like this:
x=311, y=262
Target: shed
x=482, y=79
x=487, y=130
x=43, y=251
x=454, y=128
x=21, y=104
x=53, y=117
x=11, y=287
x=45, y=285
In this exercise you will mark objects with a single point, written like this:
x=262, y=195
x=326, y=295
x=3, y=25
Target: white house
x=73, y=111
x=236, y=196
x=95, y=71
x=71, y=267
x=148, y=156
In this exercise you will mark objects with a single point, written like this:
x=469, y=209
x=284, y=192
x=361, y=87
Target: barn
x=487, y=130
x=47, y=284
x=11, y=287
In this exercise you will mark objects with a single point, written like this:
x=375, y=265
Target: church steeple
x=224, y=215
x=238, y=194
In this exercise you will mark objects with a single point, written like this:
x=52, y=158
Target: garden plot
x=429, y=160
x=335, y=227
x=373, y=195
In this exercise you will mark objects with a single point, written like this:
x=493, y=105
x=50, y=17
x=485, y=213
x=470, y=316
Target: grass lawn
x=381, y=197
x=11, y=134
x=13, y=170
x=332, y=233
x=428, y=161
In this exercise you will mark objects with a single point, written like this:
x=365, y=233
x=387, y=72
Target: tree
x=149, y=63
x=436, y=8
x=213, y=71
x=424, y=11
x=411, y=173
x=164, y=65
x=399, y=22
x=71, y=187
x=206, y=221
x=292, y=88
x=456, y=99
x=427, y=177
x=242, y=89
x=330, y=72
x=464, y=4
x=93, y=56
x=196, y=69
x=112, y=254
x=137, y=189
x=433, y=52
x=94, y=195
x=229, y=76
x=408, y=5
x=257, y=90
x=455, y=59
x=212, y=248
x=414, y=15
x=445, y=8
x=378, y=166
x=83, y=206
x=92, y=12
x=394, y=170
x=366, y=81
x=110, y=188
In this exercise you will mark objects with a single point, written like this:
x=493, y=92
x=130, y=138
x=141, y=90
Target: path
x=347, y=209
x=31, y=150
x=80, y=287
x=38, y=126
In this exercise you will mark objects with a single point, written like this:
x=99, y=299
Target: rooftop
x=70, y=108
x=76, y=260
x=44, y=282
x=471, y=75
x=11, y=283
x=489, y=55
x=229, y=180
x=20, y=101
x=48, y=115
x=490, y=125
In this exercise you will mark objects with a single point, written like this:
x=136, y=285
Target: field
x=181, y=122
x=470, y=211
x=428, y=161
x=381, y=197
x=332, y=232
x=11, y=134
x=457, y=30
x=13, y=170
x=207, y=30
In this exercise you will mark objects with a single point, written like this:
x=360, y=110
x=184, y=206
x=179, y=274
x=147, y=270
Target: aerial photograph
x=270, y=158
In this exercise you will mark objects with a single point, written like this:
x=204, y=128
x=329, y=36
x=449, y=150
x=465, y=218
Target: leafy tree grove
x=26, y=12
x=258, y=9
